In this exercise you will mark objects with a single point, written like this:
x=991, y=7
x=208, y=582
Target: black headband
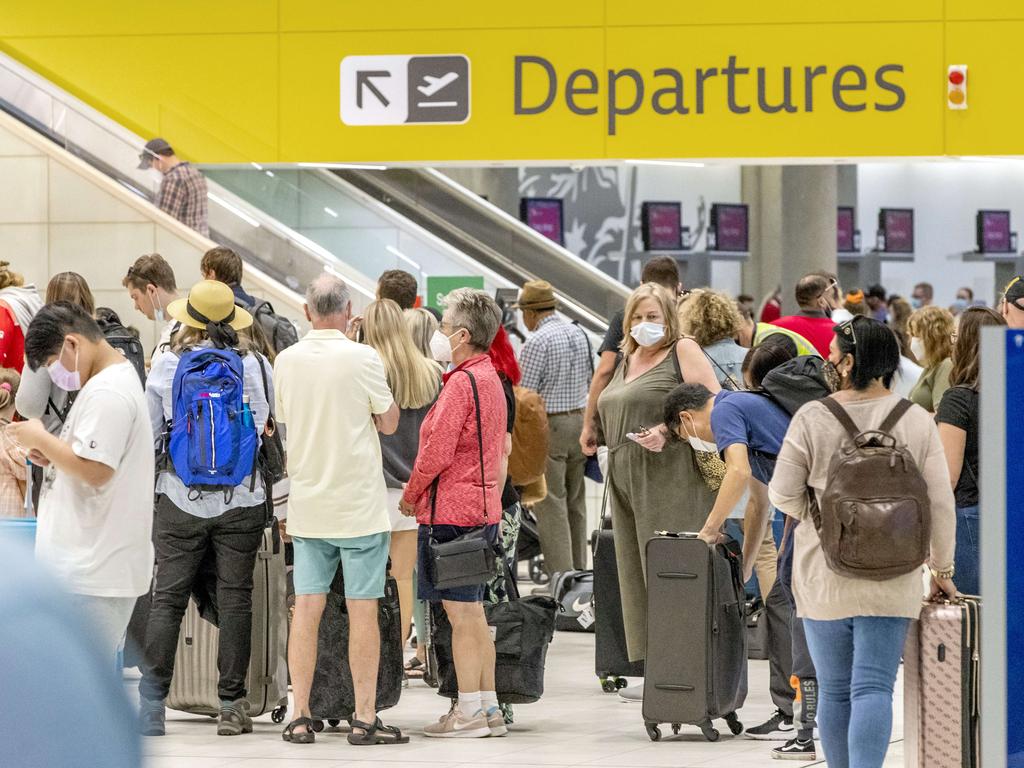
x=198, y=316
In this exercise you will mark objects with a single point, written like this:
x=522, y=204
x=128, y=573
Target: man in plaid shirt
x=557, y=363
x=182, y=190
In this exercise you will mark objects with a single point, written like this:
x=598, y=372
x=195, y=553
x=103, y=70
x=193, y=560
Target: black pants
x=182, y=541
x=780, y=647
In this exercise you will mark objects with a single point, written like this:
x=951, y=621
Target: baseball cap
x=536, y=294
x=153, y=147
x=1014, y=291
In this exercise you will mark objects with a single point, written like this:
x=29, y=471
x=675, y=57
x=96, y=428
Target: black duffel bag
x=332, y=696
x=523, y=628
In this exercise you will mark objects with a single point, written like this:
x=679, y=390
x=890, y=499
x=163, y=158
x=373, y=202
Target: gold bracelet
x=943, y=575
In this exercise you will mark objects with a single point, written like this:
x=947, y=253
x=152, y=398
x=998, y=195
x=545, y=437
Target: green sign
x=439, y=287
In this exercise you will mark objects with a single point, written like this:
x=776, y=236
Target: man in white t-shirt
x=333, y=395
x=96, y=507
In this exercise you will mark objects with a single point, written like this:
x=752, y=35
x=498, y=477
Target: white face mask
x=647, y=334
x=697, y=444
x=440, y=348
x=917, y=348
x=70, y=380
x=158, y=310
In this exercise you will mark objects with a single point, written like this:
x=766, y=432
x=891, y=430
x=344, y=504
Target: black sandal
x=415, y=668
x=289, y=734
x=377, y=733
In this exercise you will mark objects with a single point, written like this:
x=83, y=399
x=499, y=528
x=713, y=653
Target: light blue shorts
x=364, y=563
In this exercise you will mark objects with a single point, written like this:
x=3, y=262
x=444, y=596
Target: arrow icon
x=364, y=79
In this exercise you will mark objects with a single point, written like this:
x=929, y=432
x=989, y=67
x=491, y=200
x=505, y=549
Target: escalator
x=491, y=237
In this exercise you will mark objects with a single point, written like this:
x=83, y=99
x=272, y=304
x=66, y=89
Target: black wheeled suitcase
x=611, y=661
x=696, y=635
x=332, y=696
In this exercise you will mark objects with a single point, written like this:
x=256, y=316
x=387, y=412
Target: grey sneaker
x=496, y=722
x=151, y=717
x=234, y=718
x=456, y=725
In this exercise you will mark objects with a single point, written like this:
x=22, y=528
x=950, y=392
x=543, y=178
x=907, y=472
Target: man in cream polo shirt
x=333, y=395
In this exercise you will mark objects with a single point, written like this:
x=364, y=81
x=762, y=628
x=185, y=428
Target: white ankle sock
x=488, y=701
x=469, y=703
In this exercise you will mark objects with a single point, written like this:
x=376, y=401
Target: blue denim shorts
x=364, y=562
x=424, y=588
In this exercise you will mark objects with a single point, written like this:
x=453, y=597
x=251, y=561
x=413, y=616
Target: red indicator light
x=956, y=77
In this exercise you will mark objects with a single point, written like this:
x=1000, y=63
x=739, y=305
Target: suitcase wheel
x=676, y=727
x=536, y=571
x=711, y=734
x=278, y=714
x=653, y=731
x=608, y=686
x=333, y=722
x=734, y=724
x=621, y=682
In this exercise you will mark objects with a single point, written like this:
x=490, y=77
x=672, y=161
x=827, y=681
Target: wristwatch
x=944, y=575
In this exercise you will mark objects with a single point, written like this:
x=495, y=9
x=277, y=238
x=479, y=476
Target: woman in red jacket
x=449, y=490
x=18, y=305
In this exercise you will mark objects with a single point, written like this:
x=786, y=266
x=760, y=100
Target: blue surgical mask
x=960, y=305
x=915, y=302
x=69, y=381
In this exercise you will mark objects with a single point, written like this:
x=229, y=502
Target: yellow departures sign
x=462, y=81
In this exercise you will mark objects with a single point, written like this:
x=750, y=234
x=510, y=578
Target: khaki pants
x=766, y=560
x=562, y=515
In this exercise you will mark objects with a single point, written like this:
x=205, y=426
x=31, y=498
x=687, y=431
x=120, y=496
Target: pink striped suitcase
x=942, y=686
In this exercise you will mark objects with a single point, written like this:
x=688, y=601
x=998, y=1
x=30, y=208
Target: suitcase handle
x=676, y=575
x=674, y=687
x=677, y=534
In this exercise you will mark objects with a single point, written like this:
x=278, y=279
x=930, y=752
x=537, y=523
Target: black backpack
x=279, y=330
x=796, y=383
x=123, y=340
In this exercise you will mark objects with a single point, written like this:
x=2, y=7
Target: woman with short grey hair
x=450, y=493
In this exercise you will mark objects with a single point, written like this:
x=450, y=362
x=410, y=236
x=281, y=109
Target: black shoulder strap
x=480, y=444
x=479, y=438
x=844, y=418
x=675, y=361
x=895, y=415
x=266, y=383
x=590, y=348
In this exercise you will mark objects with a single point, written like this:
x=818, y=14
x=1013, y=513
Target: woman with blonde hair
x=652, y=484
x=422, y=324
x=713, y=320
x=13, y=467
x=18, y=305
x=931, y=343
x=415, y=381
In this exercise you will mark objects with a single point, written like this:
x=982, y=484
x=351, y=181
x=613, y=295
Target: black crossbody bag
x=468, y=560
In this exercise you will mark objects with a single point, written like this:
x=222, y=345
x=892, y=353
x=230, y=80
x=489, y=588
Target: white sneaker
x=633, y=694
x=456, y=725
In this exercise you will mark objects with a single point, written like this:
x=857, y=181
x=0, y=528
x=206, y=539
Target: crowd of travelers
x=399, y=429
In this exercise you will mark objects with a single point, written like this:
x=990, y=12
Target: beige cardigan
x=814, y=437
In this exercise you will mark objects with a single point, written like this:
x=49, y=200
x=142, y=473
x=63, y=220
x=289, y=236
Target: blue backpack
x=213, y=440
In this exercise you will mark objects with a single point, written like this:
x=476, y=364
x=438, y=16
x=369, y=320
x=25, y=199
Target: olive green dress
x=647, y=491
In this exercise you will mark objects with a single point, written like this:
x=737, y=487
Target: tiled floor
x=574, y=725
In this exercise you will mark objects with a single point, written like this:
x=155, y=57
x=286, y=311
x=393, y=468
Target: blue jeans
x=968, y=546
x=857, y=660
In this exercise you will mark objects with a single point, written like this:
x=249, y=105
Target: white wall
x=57, y=214
x=945, y=197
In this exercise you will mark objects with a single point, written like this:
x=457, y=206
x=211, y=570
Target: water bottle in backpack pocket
x=213, y=440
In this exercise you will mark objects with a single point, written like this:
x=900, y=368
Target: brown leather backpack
x=875, y=516
x=529, y=457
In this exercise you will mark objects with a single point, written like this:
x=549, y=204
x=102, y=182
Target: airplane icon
x=435, y=84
